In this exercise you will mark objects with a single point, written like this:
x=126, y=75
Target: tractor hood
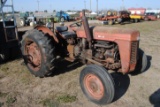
x=111, y=33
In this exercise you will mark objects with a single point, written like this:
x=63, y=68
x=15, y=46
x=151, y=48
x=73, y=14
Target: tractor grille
x=134, y=48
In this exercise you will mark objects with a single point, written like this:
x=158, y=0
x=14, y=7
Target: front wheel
x=146, y=19
x=62, y=19
x=110, y=22
x=142, y=61
x=97, y=84
x=38, y=51
x=22, y=23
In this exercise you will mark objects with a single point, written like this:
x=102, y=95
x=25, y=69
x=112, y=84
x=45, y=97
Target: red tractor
x=102, y=48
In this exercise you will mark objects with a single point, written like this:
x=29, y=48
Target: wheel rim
x=62, y=19
x=21, y=23
x=94, y=86
x=33, y=54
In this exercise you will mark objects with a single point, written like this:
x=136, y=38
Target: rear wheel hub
x=33, y=55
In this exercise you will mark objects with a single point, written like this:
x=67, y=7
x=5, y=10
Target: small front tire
x=142, y=61
x=62, y=19
x=22, y=23
x=97, y=84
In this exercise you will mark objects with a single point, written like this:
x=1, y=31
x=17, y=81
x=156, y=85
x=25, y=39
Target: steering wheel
x=76, y=24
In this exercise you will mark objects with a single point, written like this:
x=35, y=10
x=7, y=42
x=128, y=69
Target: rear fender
x=46, y=30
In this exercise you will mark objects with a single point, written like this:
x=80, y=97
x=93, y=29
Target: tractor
x=102, y=49
x=8, y=33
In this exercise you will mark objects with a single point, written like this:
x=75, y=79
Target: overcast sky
x=50, y=5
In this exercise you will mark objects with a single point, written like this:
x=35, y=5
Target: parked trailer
x=136, y=18
x=113, y=17
x=137, y=14
x=150, y=16
x=156, y=11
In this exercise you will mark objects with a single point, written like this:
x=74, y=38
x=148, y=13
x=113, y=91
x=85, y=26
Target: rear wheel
x=135, y=20
x=38, y=52
x=110, y=22
x=97, y=84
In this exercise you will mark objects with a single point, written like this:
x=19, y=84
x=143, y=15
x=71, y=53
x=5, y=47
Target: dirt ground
x=18, y=88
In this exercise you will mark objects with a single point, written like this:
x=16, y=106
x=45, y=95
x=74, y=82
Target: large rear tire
x=97, y=84
x=110, y=22
x=38, y=51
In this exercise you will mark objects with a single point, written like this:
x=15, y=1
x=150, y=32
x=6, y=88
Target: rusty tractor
x=103, y=49
x=8, y=33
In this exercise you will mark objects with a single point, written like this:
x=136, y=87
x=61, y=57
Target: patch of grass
x=66, y=98
x=1, y=104
x=3, y=94
x=10, y=100
x=49, y=103
x=4, y=68
x=26, y=78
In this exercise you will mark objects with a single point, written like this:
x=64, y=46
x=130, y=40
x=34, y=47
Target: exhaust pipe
x=86, y=28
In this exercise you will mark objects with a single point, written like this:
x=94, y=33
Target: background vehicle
x=103, y=48
x=137, y=14
x=62, y=16
x=115, y=17
x=8, y=33
x=26, y=19
x=150, y=16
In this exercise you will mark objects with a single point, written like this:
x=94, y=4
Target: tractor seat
x=68, y=34
x=61, y=29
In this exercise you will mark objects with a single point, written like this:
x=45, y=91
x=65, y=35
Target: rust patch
x=47, y=30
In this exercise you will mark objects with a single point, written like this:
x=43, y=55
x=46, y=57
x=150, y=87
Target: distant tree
x=16, y=12
x=36, y=11
x=54, y=10
x=31, y=13
x=45, y=11
x=149, y=8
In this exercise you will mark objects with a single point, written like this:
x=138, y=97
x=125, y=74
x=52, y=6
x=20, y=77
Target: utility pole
x=97, y=7
x=90, y=8
x=85, y=4
x=122, y=4
x=38, y=4
x=90, y=5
